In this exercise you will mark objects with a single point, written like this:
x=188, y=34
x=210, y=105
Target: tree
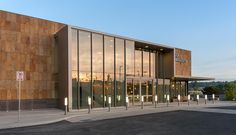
x=230, y=92
x=209, y=90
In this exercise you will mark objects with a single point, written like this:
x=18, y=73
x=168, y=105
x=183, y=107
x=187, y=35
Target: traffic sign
x=19, y=75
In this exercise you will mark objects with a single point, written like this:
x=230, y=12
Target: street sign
x=19, y=75
x=19, y=78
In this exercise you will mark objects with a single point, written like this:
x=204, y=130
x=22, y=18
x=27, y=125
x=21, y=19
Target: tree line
x=228, y=88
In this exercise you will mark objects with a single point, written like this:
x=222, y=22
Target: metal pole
x=89, y=104
x=7, y=105
x=178, y=99
x=65, y=103
x=188, y=100
x=155, y=101
x=213, y=98
x=65, y=110
x=19, y=94
x=127, y=102
x=168, y=98
x=142, y=102
x=109, y=102
x=197, y=99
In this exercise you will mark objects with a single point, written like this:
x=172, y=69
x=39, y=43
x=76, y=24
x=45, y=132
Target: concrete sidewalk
x=38, y=117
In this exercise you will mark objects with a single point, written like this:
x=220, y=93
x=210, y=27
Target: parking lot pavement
x=37, y=117
x=164, y=123
x=225, y=107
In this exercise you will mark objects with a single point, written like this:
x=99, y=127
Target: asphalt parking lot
x=225, y=107
x=166, y=123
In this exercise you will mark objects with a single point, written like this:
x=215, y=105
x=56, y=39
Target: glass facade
x=106, y=67
x=153, y=64
x=97, y=54
x=120, y=64
x=84, y=67
x=146, y=63
x=109, y=68
x=130, y=48
x=74, y=70
x=138, y=63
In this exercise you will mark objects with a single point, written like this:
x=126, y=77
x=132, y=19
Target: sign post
x=19, y=78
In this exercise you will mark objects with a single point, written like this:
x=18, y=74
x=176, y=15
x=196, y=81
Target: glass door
x=133, y=91
x=147, y=90
x=137, y=87
x=129, y=90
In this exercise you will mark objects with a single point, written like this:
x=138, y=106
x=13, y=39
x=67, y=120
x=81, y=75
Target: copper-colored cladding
x=182, y=62
x=27, y=44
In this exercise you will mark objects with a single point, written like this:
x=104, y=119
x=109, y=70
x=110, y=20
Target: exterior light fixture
x=146, y=46
x=161, y=49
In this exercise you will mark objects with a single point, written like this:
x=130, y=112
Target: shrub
x=230, y=92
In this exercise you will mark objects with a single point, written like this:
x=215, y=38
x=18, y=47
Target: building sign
x=180, y=59
x=19, y=75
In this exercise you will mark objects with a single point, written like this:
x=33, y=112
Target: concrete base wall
x=29, y=104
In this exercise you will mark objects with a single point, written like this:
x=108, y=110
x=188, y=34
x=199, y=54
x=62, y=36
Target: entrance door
x=147, y=90
x=133, y=91
x=137, y=87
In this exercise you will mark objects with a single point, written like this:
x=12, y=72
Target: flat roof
x=191, y=78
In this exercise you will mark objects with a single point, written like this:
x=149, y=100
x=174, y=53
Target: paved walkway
x=37, y=117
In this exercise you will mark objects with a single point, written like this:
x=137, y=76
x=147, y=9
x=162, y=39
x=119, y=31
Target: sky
x=206, y=27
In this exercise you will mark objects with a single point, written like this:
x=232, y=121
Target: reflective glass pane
x=74, y=69
x=145, y=64
x=119, y=72
x=84, y=67
x=153, y=66
x=129, y=58
x=138, y=63
x=97, y=50
x=109, y=68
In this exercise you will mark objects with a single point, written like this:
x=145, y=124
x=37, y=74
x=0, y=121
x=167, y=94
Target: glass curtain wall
x=153, y=65
x=167, y=87
x=105, y=77
x=97, y=54
x=146, y=64
x=129, y=58
x=138, y=63
x=120, y=84
x=109, y=69
x=84, y=67
x=160, y=91
x=74, y=69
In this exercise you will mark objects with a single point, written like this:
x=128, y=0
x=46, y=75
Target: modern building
x=61, y=61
